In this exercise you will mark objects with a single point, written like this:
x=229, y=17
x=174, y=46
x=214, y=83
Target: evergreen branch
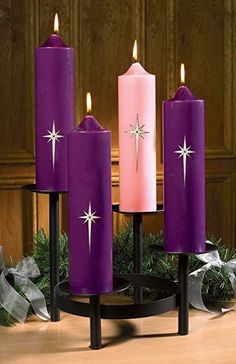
x=216, y=284
x=5, y=318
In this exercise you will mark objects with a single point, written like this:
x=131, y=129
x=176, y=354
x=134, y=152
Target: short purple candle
x=54, y=92
x=89, y=209
x=184, y=173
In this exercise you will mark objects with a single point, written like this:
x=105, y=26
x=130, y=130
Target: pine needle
x=216, y=284
x=6, y=319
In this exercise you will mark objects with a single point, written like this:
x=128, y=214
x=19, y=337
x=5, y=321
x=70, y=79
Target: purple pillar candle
x=89, y=209
x=184, y=173
x=54, y=92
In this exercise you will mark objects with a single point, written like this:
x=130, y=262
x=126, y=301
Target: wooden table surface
x=212, y=339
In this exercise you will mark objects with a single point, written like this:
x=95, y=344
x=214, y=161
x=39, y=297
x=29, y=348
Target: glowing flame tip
x=182, y=73
x=135, y=51
x=56, y=24
x=89, y=102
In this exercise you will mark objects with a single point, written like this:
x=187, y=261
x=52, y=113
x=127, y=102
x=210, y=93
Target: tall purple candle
x=54, y=92
x=89, y=209
x=184, y=173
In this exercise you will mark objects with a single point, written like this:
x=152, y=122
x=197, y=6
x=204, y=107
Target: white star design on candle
x=184, y=152
x=89, y=218
x=53, y=136
x=137, y=132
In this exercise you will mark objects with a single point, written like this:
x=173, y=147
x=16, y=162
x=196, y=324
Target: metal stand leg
x=138, y=253
x=95, y=323
x=184, y=298
x=54, y=251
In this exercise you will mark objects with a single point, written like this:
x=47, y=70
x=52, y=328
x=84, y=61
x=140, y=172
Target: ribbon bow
x=11, y=300
x=196, y=278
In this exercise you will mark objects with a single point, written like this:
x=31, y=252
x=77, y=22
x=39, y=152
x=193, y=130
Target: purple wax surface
x=54, y=40
x=89, y=209
x=184, y=173
x=183, y=94
x=54, y=103
x=89, y=123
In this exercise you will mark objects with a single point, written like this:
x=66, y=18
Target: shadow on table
x=127, y=331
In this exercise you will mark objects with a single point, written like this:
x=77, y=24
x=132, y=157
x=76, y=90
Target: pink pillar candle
x=137, y=140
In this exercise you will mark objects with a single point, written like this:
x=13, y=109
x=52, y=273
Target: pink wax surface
x=137, y=154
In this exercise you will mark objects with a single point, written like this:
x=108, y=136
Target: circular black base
x=116, y=208
x=160, y=249
x=32, y=188
x=119, y=284
x=166, y=302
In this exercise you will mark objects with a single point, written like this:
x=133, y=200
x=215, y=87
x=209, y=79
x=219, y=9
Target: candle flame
x=56, y=24
x=89, y=102
x=135, y=51
x=182, y=73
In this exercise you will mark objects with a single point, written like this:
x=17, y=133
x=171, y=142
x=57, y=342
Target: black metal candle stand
x=96, y=311
x=167, y=291
x=183, y=293
x=170, y=295
x=53, y=243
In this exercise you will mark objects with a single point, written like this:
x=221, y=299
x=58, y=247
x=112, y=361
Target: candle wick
x=55, y=32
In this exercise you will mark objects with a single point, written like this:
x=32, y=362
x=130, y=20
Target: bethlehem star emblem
x=89, y=217
x=184, y=152
x=53, y=137
x=137, y=132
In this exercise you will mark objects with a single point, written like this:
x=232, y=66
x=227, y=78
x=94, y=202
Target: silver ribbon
x=211, y=259
x=16, y=305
